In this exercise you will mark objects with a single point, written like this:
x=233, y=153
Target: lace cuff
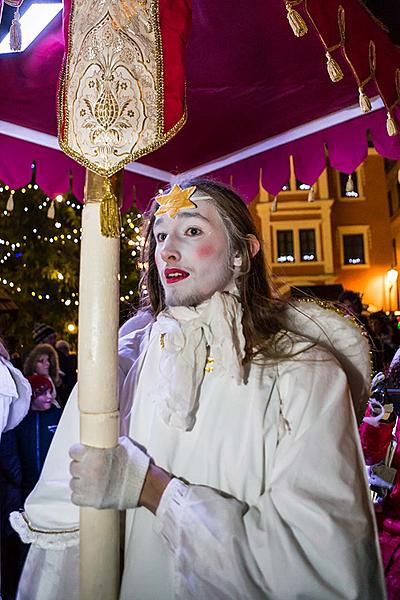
x=43, y=538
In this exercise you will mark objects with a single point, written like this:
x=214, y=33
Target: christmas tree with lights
x=39, y=261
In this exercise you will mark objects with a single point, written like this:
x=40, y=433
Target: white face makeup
x=192, y=255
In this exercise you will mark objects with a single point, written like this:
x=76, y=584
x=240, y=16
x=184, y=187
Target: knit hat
x=39, y=384
x=41, y=331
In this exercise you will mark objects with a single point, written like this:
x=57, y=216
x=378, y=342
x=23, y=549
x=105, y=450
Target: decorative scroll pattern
x=111, y=92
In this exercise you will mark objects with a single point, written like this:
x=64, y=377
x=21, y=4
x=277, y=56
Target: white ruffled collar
x=194, y=341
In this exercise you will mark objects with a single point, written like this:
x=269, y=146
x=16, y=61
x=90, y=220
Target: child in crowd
x=36, y=431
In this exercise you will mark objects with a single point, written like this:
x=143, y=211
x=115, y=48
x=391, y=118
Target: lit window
x=285, y=246
x=308, y=249
x=349, y=187
x=353, y=249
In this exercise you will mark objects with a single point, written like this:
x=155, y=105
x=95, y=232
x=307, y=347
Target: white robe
x=15, y=395
x=276, y=505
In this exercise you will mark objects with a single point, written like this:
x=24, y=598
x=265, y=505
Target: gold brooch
x=175, y=200
x=209, y=365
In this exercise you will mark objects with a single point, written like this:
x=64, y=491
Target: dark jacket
x=34, y=436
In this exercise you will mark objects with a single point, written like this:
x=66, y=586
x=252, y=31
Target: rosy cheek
x=205, y=251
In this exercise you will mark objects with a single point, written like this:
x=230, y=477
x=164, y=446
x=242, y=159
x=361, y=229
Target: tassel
x=110, y=218
x=15, y=33
x=296, y=21
x=334, y=70
x=10, y=203
x=311, y=194
x=349, y=184
x=364, y=101
x=398, y=175
x=51, y=213
x=274, y=205
x=391, y=126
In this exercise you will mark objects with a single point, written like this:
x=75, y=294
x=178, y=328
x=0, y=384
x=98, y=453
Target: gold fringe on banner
x=333, y=68
x=110, y=218
x=10, y=203
x=391, y=125
x=296, y=21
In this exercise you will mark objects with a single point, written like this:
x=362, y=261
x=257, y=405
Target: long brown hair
x=33, y=357
x=260, y=310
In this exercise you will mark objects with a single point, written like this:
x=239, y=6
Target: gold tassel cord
x=391, y=125
x=333, y=68
x=274, y=205
x=296, y=21
x=364, y=101
x=398, y=175
x=110, y=218
x=51, y=213
x=349, y=184
x=15, y=33
x=311, y=194
x=10, y=203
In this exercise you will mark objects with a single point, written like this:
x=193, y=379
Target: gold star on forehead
x=174, y=201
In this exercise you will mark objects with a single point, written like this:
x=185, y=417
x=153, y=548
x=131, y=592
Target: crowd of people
x=46, y=377
x=242, y=451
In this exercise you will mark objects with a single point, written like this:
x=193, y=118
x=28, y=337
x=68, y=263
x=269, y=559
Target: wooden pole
x=97, y=391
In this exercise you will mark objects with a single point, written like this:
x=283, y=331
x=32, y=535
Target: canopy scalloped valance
x=256, y=94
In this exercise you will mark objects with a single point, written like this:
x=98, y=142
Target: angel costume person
x=239, y=464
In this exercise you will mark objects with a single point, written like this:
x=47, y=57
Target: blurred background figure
x=43, y=360
x=380, y=437
x=45, y=334
x=352, y=304
x=68, y=365
x=35, y=433
x=383, y=335
x=21, y=462
x=15, y=398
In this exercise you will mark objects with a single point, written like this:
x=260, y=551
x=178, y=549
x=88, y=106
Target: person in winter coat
x=35, y=433
x=43, y=360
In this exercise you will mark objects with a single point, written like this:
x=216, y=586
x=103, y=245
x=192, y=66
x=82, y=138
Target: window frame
x=360, y=174
x=363, y=230
x=295, y=228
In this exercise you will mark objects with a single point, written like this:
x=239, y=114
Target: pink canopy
x=256, y=94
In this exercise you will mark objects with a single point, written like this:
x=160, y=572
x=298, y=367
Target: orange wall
x=374, y=212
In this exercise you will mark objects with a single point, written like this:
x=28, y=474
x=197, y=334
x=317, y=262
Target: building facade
x=344, y=231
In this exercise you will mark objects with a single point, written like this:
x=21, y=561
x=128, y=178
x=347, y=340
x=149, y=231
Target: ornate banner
x=122, y=86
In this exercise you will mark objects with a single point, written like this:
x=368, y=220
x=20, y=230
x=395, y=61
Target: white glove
x=108, y=477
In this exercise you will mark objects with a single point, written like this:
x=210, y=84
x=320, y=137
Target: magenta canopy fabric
x=256, y=94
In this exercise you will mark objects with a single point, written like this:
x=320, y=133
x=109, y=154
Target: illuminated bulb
x=57, y=225
x=59, y=198
x=23, y=190
x=60, y=276
x=33, y=293
x=67, y=302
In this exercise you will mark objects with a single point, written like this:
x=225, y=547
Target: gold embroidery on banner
x=111, y=94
